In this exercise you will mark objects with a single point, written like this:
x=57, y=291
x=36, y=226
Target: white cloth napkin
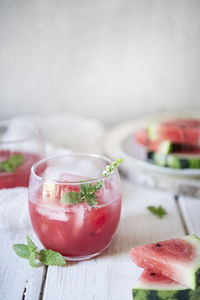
x=14, y=209
x=14, y=212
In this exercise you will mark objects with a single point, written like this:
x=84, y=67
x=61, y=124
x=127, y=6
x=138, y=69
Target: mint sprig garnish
x=37, y=258
x=12, y=163
x=158, y=211
x=87, y=190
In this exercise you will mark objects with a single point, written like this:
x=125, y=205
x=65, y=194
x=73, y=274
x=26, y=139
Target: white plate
x=118, y=142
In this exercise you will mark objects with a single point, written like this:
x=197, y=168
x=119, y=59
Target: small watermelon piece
x=176, y=160
x=141, y=137
x=163, y=146
x=181, y=131
x=177, y=259
x=155, y=286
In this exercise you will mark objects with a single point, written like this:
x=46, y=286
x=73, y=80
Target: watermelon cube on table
x=177, y=259
x=155, y=286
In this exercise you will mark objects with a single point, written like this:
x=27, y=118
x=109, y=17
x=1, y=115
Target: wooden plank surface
x=190, y=208
x=17, y=279
x=112, y=275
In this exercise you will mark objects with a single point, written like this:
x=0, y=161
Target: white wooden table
x=108, y=277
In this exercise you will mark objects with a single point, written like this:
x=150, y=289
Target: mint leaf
x=71, y=198
x=158, y=211
x=91, y=200
x=109, y=169
x=32, y=259
x=12, y=163
x=5, y=166
x=16, y=160
x=52, y=258
x=30, y=252
x=31, y=246
x=87, y=190
x=22, y=250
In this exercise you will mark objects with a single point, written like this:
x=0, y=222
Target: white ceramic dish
x=119, y=142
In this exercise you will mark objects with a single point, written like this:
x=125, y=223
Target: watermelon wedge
x=163, y=146
x=176, y=160
x=181, y=131
x=155, y=286
x=177, y=259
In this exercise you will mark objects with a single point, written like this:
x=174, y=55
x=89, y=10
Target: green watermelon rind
x=166, y=294
x=152, y=131
x=165, y=147
x=184, y=294
x=144, y=294
x=175, y=160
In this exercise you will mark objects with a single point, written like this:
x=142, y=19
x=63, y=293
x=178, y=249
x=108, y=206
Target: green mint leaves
x=158, y=211
x=12, y=163
x=110, y=168
x=87, y=194
x=51, y=258
x=36, y=259
x=87, y=191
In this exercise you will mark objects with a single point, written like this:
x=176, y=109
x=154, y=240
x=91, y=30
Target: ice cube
x=53, y=212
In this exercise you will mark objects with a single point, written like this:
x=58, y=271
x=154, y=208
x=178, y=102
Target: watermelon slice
x=181, y=131
x=163, y=146
x=151, y=286
x=176, y=160
x=177, y=259
x=141, y=137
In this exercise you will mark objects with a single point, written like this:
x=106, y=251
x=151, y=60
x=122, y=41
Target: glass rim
x=15, y=123
x=54, y=181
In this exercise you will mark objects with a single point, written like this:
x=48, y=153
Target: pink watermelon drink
x=18, y=176
x=20, y=148
x=78, y=231
x=177, y=259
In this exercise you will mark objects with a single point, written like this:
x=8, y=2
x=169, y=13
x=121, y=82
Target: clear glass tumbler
x=77, y=231
x=20, y=147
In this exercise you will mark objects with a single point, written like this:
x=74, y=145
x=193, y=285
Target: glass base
x=79, y=258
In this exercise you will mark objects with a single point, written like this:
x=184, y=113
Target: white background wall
x=110, y=59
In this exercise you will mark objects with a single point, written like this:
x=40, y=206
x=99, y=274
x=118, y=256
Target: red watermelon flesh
x=177, y=259
x=149, y=278
x=153, y=286
x=141, y=137
x=181, y=131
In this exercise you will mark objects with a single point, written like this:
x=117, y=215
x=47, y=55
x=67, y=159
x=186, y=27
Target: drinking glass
x=77, y=231
x=20, y=147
